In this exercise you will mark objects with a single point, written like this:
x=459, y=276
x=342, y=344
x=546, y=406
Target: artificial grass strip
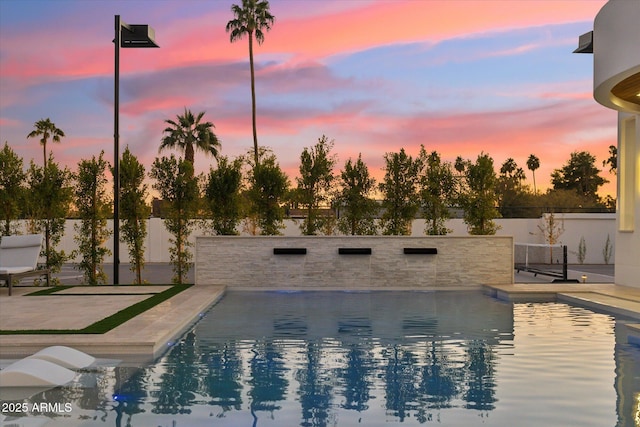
x=109, y=323
x=53, y=290
x=48, y=291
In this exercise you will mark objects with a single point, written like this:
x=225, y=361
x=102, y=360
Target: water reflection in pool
x=372, y=359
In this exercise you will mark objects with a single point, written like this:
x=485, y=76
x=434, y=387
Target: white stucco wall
x=593, y=227
x=627, y=258
x=615, y=50
x=616, y=56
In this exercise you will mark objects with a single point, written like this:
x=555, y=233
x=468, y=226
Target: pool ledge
x=609, y=298
x=141, y=339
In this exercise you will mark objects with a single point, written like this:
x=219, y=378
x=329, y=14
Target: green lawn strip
x=48, y=291
x=108, y=323
x=55, y=289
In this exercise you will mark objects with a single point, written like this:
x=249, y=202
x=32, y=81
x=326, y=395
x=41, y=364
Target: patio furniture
x=19, y=258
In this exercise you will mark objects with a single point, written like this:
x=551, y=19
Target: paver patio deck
x=140, y=339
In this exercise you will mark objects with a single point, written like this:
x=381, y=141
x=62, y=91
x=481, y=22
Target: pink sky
x=461, y=77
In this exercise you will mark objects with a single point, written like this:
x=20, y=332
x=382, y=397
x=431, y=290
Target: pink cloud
x=418, y=21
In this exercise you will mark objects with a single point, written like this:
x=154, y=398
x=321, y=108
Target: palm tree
x=46, y=129
x=533, y=163
x=188, y=133
x=251, y=19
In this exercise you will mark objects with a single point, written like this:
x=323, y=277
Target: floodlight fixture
x=126, y=36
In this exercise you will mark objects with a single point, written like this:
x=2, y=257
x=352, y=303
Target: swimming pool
x=370, y=359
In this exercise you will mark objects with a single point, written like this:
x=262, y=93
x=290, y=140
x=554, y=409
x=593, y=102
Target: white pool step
x=66, y=357
x=30, y=372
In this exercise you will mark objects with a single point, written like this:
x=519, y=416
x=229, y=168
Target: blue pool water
x=373, y=359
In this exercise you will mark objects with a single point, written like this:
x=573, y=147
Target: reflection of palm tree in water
x=356, y=377
x=438, y=383
x=224, y=373
x=267, y=378
x=315, y=389
x=400, y=374
x=481, y=383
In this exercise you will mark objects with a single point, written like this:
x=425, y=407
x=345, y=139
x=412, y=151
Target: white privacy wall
x=593, y=227
x=250, y=262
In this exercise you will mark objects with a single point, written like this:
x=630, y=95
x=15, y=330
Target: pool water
x=373, y=359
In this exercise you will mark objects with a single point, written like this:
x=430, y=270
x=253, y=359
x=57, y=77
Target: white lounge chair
x=19, y=258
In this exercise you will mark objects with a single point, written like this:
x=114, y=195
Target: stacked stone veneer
x=249, y=262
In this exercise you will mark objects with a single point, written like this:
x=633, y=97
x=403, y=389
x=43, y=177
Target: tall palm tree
x=46, y=129
x=188, y=133
x=251, y=19
x=533, y=163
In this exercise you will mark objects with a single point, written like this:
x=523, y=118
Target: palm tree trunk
x=44, y=151
x=535, y=190
x=189, y=154
x=253, y=100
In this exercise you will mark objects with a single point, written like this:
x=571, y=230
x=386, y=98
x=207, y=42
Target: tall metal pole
x=116, y=154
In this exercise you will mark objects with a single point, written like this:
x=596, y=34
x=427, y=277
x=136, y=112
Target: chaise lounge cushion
x=19, y=258
x=14, y=270
x=20, y=251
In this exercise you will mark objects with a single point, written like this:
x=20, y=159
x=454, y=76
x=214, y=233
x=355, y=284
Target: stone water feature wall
x=353, y=262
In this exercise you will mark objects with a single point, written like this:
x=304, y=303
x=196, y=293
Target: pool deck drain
x=140, y=339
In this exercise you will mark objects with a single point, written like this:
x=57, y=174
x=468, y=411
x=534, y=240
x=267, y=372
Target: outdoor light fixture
x=584, y=278
x=585, y=43
x=125, y=36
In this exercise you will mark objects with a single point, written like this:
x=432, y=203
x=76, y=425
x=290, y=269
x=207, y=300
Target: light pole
x=125, y=36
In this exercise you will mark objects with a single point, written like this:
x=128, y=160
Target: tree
x=356, y=207
x=134, y=211
x=93, y=209
x=513, y=196
x=580, y=175
x=566, y=201
x=314, y=183
x=268, y=184
x=12, y=179
x=179, y=189
x=188, y=133
x=46, y=129
x=222, y=194
x=479, y=201
x=551, y=230
x=400, y=191
x=612, y=161
x=251, y=19
x=533, y=163
x=49, y=198
x=437, y=192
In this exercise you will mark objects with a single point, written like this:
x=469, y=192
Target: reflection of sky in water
x=372, y=359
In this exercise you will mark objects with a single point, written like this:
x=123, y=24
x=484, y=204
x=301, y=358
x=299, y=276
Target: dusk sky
x=459, y=76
